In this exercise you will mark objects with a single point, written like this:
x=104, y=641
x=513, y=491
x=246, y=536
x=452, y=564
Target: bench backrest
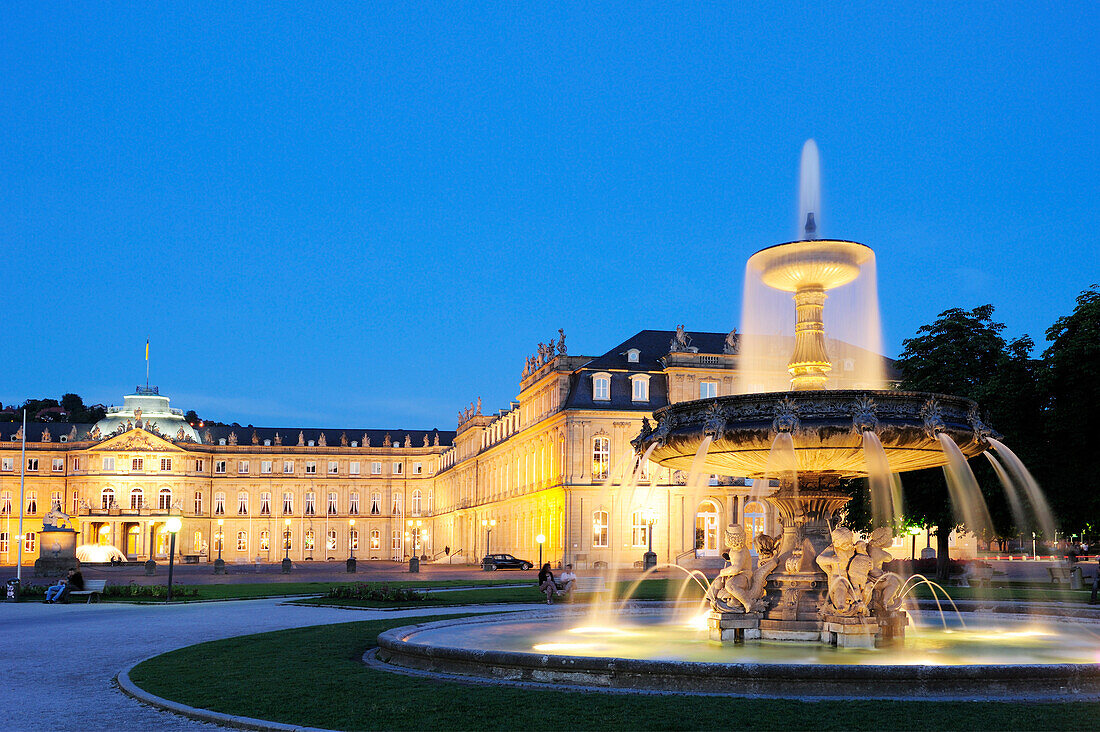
x=93, y=586
x=589, y=584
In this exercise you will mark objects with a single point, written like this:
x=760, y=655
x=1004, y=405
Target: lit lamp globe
x=914, y=531
x=286, y=546
x=540, y=540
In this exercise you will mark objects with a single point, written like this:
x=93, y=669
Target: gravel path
x=59, y=661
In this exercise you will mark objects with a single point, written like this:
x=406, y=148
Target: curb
x=203, y=715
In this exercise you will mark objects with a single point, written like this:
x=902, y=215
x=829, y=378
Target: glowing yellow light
x=173, y=524
x=287, y=523
x=221, y=522
x=699, y=622
x=351, y=522
x=541, y=538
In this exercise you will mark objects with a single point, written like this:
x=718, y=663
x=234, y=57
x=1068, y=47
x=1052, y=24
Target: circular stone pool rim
x=1037, y=682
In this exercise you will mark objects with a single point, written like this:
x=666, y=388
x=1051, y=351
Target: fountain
x=817, y=586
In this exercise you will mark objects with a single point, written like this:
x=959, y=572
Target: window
x=395, y=545
x=311, y=504
x=416, y=502
x=601, y=387
x=58, y=464
x=288, y=466
x=137, y=464
x=76, y=503
x=632, y=355
x=330, y=543
x=198, y=503
x=375, y=539
x=137, y=498
x=375, y=504
x=601, y=457
x=353, y=468
x=288, y=503
x=199, y=465
x=242, y=503
x=4, y=542
x=166, y=463
x=288, y=543
x=418, y=468
x=396, y=504
x=376, y=468
x=353, y=503
x=398, y=468
x=108, y=462
x=753, y=516
x=639, y=529
x=217, y=541
x=353, y=539
x=242, y=541
x=311, y=468
x=164, y=499
x=265, y=466
x=265, y=541
x=309, y=539
x=242, y=466
x=7, y=464
x=32, y=465
x=333, y=467
x=265, y=504
x=599, y=529
x=429, y=509
x=106, y=498
x=76, y=464
x=639, y=388
x=219, y=503
x=5, y=503
x=197, y=542
x=29, y=542
x=708, y=389
x=332, y=503
x=219, y=466
x=55, y=501
x=32, y=502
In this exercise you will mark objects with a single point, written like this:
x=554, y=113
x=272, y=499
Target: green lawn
x=314, y=676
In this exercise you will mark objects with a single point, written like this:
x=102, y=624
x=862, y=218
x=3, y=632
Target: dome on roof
x=147, y=405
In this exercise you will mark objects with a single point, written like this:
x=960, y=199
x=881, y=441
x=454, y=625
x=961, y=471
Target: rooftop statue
x=731, y=344
x=681, y=342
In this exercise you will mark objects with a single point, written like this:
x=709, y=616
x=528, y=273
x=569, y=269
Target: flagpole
x=147, y=364
x=22, y=479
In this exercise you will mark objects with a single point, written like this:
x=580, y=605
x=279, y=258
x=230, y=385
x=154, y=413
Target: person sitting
x=546, y=583
x=567, y=581
x=73, y=581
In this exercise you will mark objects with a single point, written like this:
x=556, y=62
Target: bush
x=149, y=592
x=375, y=592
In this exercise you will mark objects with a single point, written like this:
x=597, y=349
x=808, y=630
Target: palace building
x=557, y=463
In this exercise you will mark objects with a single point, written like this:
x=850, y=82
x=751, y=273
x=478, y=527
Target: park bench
x=190, y=558
x=1059, y=574
x=93, y=589
x=979, y=576
x=246, y=565
x=586, y=585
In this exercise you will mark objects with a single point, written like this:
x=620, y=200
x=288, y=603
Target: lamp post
x=351, y=546
x=1033, y=554
x=539, y=540
x=286, y=546
x=173, y=525
x=913, y=532
x=219, y=563
x=649, y=560
x=488, y=524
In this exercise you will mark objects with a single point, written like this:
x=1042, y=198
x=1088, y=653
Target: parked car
x=504, y=561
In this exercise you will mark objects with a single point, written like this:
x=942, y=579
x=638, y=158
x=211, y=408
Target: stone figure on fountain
x=739, y=588
x=858, y=584
x=885, y=585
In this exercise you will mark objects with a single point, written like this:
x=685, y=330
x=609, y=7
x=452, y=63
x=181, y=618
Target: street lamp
x=913, y=531
x=488, y=524
x=351, y=546
x=650, y=559
x=173, y=525
x=539, y=540
x=1033, y=554
x=286, y=546
x=219, y=563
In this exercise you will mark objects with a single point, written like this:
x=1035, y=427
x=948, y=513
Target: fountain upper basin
x=826, y=428
x=825, y=263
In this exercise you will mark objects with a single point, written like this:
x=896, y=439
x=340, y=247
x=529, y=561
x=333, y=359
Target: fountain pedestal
x=846, y=632
x=733, y=627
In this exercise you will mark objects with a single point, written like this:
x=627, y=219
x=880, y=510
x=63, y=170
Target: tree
x=1070, y=381
x=963, y=354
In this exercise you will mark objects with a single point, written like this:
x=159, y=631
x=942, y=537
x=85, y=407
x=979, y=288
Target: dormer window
x=639, y=388
x=601, y=387
x=632, y=355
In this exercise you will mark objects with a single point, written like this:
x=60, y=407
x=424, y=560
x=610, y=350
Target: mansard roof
x=652, y=345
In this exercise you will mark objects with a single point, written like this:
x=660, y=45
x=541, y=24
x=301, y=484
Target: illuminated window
x=219, y=503
x=137, y=498
x=311, y=504
x=265, y=504
x=288, y=503
x=166, y=463
x=639, y=529
x=353, y=503
x=639, y=388
x=375, y=504
x=332, y=503
x=242, y=503
x=330, y=544
x=641, y=468
x=218, y=542
x=416, y=502
x=265, y=541
x=753, y=515
x=4, y=539
x=29, y=542
x=197, y=542
x=106, y=498
x=242, y=541
x=333, y=467
x=601, y=387
x=137, y=464
x=708, y=389
x=601, y=457
x=108, y=463
x=164, y=499
x=599, y=529
x=375, y=539
x=309, y=540
x=353, y=540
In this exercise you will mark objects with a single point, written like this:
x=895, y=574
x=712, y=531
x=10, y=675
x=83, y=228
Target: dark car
x=504, y=561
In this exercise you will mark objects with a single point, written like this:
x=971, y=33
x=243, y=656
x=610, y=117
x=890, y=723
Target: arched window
x=198, y=542
x=707, y=517
x=416, y=502
x=333, y=504
x=601, y=457
x=137, y=498
x=164, y=499
x=396, y=504
x=755, y=521
x=242, y=503
x=29, y=542
x=601, y=387
x=639, y=388
x=395, y=546
x=265, y=541
x=106, y=498
x=375, y=504
x=242, y=541
x=429, y=500
x=353, y=539
x=375, y=539
x=599, y=529
x=310, y=541
x=639, y=529
x=330, y=543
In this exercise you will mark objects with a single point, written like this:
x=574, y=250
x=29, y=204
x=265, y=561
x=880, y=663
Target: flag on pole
x=146, y=349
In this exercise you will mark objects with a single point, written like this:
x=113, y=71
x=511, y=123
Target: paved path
x=59, y=661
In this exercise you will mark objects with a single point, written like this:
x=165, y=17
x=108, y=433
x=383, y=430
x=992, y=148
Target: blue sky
x=368, y=215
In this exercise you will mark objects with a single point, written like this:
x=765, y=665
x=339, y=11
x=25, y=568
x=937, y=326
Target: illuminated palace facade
x=557, y=463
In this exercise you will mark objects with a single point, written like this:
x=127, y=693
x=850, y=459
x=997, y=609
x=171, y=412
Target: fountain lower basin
x=644, y=650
